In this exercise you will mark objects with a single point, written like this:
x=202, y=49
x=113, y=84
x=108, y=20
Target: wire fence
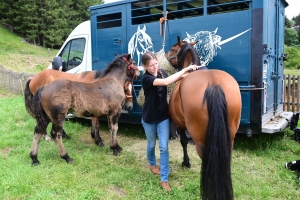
x=13, y=82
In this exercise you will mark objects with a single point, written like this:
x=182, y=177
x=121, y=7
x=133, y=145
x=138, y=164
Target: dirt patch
x=5, y=95
x=5, y=151
x=117, y=191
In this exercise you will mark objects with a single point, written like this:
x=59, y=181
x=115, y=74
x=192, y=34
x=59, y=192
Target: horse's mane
x=116, y=63
x=97, y=74
x=183, y=52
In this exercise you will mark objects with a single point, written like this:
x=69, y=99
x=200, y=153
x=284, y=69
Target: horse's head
x=133, y=70
x=128, y=87
x=182, y=54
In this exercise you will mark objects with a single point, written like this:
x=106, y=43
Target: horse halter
x=130, y=66
x=129, y=96
x=175, y=56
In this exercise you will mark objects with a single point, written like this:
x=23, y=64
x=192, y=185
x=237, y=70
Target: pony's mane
x=183, y=52
x=116, y=63
x=97, y=74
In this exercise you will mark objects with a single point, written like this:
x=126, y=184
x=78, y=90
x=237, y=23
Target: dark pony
x=104, y=96
x=207, y=103
x=48, y=75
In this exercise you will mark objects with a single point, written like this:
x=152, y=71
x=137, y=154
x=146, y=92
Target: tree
x=293, y=58
x=287, y=22
x=8, y=13
x=297, y=25
x=28, y=19
x=291, y=37
x=45, y=22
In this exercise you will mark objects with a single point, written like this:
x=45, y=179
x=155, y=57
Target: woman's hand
x=191, y=68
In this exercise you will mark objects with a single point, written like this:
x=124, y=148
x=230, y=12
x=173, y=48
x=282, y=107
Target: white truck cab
x=76, y=50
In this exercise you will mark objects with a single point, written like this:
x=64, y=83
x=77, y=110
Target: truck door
x=108, y=27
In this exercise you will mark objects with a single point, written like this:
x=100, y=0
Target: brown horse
x=207, y=103
x=104, y=96
x=49, y=75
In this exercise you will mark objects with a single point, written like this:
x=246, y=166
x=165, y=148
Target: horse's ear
x=116, y=55
x=179, y=41
x=188, y=35
x=128, y=56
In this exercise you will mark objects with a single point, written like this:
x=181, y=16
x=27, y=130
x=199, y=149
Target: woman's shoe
x=165, y=186
x=154, y=169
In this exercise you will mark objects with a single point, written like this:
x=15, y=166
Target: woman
x=155, y=118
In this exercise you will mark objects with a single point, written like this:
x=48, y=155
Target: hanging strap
x=162, y=20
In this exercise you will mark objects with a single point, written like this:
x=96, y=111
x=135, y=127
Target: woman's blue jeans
x=162, y=129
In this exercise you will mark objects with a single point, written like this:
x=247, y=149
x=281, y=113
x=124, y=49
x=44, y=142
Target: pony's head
x=183, y=54
x=128, y=87
x=133, y=69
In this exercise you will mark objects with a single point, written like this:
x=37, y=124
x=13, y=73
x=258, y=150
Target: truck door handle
x=118, y=41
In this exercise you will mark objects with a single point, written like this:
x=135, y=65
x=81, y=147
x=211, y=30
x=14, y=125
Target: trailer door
x=273, y=66
x=108, y=27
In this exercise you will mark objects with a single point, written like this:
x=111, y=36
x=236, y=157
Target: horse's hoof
x=187, y=165
x=100, y=144
x=36, y=163
x=70, y=161
x=34, y=159
x=67, y=159
x=116, y=150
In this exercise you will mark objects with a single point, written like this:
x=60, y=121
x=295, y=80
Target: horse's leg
x=39, y=131
x=56, y=133
x=47, y=138
x=173, y=130
x=95, y=132
x=64, y=135
x=113, y=126
x=184, y=142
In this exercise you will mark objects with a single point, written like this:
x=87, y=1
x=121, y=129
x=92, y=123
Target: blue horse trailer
x=242, y=37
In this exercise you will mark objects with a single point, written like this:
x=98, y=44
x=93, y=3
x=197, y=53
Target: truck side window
x=72, y=54
x=223, y=6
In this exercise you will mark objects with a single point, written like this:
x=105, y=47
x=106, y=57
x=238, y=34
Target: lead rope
x=163, y=20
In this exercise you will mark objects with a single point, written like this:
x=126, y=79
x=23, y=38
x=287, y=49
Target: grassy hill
x=19, y=56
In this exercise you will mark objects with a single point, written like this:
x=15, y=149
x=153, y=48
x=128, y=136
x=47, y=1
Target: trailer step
x=277, y=123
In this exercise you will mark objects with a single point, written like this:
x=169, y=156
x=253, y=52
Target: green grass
x=292, y=72
x=257, y=164
x=20, y=56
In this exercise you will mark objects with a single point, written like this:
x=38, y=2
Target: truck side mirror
x=57, y=63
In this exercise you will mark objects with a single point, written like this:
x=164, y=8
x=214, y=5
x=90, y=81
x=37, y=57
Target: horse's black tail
x=216, y=181
x=28, y=98
x=32, y=102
